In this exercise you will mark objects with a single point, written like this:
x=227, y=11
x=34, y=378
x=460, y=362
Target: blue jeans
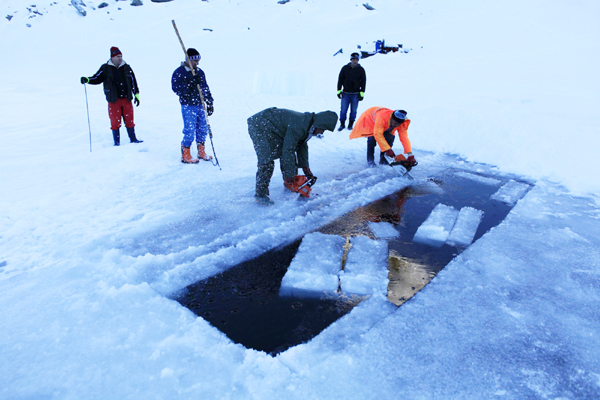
x=194, y=125
x=349, y=99
x=371, y=143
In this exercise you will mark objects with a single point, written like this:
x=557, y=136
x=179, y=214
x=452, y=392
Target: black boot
x=116, y=137
x=132, y=138
x=342, y=125
x=350, y=124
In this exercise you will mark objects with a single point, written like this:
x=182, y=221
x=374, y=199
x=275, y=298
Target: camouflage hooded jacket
x=280, y=133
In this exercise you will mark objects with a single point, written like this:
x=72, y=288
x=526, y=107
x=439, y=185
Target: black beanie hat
x=193, y=54
x=399, y=115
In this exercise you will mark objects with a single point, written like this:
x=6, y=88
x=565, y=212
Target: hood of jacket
x=185, y=65
x=325, y=120
x=123, y=63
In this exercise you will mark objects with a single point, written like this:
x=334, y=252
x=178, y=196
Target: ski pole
x=88, y=115
x=189, y=63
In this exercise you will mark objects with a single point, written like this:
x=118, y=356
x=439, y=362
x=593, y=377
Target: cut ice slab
x=478, y=178
x=511, y=192
x=384, y=230
x=315, y=268
x=465, y=227
x=366, y=269
x=437, y=227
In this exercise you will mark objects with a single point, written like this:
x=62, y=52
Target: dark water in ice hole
x=243, y=302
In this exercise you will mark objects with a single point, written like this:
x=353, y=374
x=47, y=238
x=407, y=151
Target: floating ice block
x=511, y=192
x=315, y=267
x=383, y=230
x=436, y=228
x=478, y=178
x=366, y=269
x=465, y=227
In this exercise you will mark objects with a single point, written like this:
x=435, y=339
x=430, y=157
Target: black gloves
x=136, y=100
x=308, y=173
x=339, y=94
x=84, y=80
x=210, y=109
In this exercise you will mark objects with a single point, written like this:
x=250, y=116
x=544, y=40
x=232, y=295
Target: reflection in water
x=412, y=265
x=356, y=222
x=405, y=278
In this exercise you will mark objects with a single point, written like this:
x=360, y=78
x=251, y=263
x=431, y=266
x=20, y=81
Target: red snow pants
x=122, y=108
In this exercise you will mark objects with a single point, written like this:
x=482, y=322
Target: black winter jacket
x=353, y=80
x=112, y=77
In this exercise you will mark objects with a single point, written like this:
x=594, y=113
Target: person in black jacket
x=120, y=88
x=353, y=80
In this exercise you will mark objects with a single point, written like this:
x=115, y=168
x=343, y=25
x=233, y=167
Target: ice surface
x=511, y=192
x=316, y=266
x=366, y=267
x=436, y=228
x=465, y=226
x=384, y=230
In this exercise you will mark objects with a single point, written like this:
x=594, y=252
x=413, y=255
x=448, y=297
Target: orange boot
x=186, y=157
x=202, y=154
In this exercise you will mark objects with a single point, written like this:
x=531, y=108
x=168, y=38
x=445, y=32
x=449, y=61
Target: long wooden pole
x=189, y=63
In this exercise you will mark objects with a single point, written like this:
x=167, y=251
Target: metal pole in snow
x=88, y=115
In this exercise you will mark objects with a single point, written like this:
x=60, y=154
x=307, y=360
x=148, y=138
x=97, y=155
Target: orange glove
x=390, y=153
x=399, y=157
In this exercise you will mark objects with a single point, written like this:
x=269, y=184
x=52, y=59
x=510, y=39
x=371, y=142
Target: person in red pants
x=120, y=88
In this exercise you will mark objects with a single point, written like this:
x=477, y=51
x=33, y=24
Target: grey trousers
x=263, y=178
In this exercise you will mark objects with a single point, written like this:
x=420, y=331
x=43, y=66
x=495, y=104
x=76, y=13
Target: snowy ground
x=92, y=244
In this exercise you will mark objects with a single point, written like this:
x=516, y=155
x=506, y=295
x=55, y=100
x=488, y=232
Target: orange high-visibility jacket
x=375, y=121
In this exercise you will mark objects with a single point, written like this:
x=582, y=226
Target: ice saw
x=305, y=188
x=401, y=166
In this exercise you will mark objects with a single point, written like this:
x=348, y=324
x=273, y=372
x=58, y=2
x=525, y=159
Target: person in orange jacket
x=379, y=125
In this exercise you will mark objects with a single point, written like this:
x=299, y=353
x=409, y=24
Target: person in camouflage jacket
x=283, y=134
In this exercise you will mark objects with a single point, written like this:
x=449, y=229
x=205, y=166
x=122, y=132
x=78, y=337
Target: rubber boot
x=202, y=153
x=186, y=156
x=117, y=137
x=351, y=124
x=342, y=125
x=264, y=200
x=132, y=138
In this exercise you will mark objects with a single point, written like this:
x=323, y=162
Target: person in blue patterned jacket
x=195, y=126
